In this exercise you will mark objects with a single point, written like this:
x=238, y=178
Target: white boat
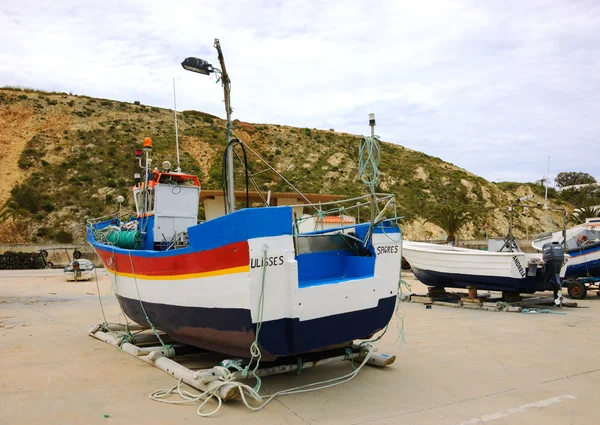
x=249, y=283
x=80, y=269
x=454, y=267
x=582, y=245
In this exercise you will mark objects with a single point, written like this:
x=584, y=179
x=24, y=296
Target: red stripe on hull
x=157, y=264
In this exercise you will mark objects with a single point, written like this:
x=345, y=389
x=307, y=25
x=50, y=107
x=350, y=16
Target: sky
x=494, y=87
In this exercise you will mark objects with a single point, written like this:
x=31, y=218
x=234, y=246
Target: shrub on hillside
x=63, y=237
x=28, y=197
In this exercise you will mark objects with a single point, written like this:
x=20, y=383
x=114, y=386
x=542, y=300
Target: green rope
x=114, y=260
x=300, y=364
x=349, y=355
x=369, y=157
x=255, y=352
x=535, y=311
x=400, y=313
x=105, y=323
x=126, y=337
x=166, y=347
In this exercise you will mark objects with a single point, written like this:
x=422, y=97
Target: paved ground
x=458, y=367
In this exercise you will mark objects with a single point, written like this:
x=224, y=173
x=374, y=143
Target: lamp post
x=203, y=67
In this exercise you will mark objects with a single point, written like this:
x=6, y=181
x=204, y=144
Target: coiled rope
x=247, y=392
x=369, y=157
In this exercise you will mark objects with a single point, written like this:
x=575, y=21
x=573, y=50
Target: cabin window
x=138, y=196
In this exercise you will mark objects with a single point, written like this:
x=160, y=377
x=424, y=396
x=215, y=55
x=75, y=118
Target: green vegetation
x=63, y=237
x=579, y=215
x=77, y=172
x=451, y=219
x=570, y=178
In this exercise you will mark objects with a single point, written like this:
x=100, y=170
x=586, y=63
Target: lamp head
x=197, y=65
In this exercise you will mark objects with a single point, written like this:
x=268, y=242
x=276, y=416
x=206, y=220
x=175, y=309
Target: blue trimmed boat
x=212, y=284
x=251, y=277
x=582, y=245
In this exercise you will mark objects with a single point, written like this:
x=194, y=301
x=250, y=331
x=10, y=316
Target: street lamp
x=197, y=65
x=202, y=67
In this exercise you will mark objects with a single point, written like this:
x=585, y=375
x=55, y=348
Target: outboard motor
x=553, y=257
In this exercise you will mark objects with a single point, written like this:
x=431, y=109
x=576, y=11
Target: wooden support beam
x=210, y=379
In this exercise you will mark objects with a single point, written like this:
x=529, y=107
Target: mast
x=546, y=184
x=228, y=111
x=178, y=169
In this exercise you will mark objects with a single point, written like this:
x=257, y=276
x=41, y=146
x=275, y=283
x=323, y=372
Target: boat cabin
x=167, y=208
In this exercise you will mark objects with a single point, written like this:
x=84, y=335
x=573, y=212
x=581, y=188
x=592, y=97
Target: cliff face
x=64, y=158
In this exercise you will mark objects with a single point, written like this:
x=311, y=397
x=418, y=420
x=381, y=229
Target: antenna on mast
x=546, y=184
x=178, y=169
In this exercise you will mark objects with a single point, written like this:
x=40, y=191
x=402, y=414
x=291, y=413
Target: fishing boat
x=508, y=270
x=456, y=267
x=582, y=243
x=80, y=269
x=249, y=279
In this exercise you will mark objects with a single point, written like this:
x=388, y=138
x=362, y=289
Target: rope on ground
x=536, y=311
x=246, y=391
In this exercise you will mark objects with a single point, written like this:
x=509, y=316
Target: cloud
x=494, y=88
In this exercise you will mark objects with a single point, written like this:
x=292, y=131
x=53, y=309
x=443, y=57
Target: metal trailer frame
x=578, y=287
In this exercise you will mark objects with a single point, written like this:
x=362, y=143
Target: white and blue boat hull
x=209, y=294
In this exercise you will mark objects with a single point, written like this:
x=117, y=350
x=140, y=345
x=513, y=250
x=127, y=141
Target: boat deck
x=458, y=367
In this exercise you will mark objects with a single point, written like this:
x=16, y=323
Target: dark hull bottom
x=231, y=331
x=528, y=285
x=591, y=268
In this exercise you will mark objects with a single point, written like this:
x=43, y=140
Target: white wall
x=214, y=208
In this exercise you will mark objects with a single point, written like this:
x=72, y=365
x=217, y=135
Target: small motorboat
x=456, y=267
x=80, y=269
x=582, y=243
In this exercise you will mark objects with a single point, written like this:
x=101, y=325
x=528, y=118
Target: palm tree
x=451, y=219
x=580, y=214
x=11, y=209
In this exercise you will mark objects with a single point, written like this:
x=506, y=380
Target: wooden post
x=472, y=292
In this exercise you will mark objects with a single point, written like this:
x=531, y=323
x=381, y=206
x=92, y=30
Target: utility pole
x=227, y=89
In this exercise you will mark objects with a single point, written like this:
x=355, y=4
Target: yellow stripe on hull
x=232, y=270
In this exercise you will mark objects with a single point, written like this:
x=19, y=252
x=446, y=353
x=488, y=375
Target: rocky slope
x=64, y=158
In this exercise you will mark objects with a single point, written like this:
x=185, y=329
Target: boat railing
x=119, y=216
x=374, y=209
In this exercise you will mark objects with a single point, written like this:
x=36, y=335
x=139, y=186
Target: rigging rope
x=166, y=347
x=100, y=298
x=114, y=261
x=254, y=347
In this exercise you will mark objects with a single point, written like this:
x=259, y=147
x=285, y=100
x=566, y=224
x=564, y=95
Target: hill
x=65, y=158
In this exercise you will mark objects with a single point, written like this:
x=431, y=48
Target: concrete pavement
x=457, y=367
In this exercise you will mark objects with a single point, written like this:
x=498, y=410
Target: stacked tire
x=22, y=261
